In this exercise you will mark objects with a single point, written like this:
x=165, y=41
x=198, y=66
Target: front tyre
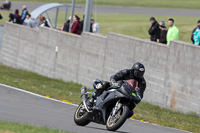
x=81, y=116
x=115, y=122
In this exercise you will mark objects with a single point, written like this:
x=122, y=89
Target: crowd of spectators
x=77, y=25
x=26, y=19
x=161, y=34
x=158, y=31
x=16, y=18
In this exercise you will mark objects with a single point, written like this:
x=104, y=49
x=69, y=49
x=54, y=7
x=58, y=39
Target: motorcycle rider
x=137, y=73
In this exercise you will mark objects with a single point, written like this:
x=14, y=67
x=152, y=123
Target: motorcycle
x=6, y=5
x=111, y=106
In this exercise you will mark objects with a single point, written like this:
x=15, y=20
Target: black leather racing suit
x=126, y=75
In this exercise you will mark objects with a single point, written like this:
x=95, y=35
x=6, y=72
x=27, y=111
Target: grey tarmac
x=17, y=105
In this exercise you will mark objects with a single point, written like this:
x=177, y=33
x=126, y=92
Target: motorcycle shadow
x=106, y=129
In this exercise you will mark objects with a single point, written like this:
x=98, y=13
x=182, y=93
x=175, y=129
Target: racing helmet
x=138, y=70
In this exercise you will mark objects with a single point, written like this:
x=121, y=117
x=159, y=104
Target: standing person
x=76, y=26
x=95, y=26
x=15, y=18
x=82, y=23
x=67, y=25
x=24, y=13
x=44, y=22
x=163, y=33
x=173, y=32
x=0, y=17
x=154, y=30
x=40, y=20
x=30, y=22
x=195, y=37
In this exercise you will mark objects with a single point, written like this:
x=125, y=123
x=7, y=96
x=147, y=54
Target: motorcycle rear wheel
x=119, y=119
x=81, y=120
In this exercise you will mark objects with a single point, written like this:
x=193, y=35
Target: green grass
x=11, y=127
x=71, y=92
x=134, y=25
x=165, y=117
x=182, y=4
x=39, y=84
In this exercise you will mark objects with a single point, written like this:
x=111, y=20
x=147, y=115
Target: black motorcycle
x=111, y=106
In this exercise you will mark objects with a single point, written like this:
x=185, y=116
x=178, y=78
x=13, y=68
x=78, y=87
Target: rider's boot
x=90, y=102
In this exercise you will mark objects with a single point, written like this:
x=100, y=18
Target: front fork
x=84, y=97
x=118, y=105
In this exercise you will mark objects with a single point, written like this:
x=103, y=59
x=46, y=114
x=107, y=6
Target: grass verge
x=182, y=4
x=39, y=84
x=11, y=127
x=71, y=92
x=134, y=25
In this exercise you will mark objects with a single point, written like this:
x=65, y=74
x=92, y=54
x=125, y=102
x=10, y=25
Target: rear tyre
x=81, y=116
x=115, y=122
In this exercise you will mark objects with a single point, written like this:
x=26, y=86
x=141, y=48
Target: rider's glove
x=137, y=89
x=113, y=81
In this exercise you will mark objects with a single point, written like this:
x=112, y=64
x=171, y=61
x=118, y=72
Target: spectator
x=11, y=17
x=195, y=37
x=173, y=32
x=67, y=25
x=76, y=26
x=82, y=25
x=154, y=30
x=91, y=29
x=163, y=33
x=95, y=26
x=30, y=22
x=40, y=20
x=24, y=13
x=15, y=18
x=44, y=22
x=0, y=17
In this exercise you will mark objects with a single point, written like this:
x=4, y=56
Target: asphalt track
x=122, y=10
x=17, y=105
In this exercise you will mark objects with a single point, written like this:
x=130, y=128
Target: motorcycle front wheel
x=115, y=122
x=81, y=116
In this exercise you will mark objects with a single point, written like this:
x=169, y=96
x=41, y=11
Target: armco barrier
x=172, y=72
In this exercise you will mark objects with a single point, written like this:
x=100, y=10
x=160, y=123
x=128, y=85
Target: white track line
x=31, y=93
